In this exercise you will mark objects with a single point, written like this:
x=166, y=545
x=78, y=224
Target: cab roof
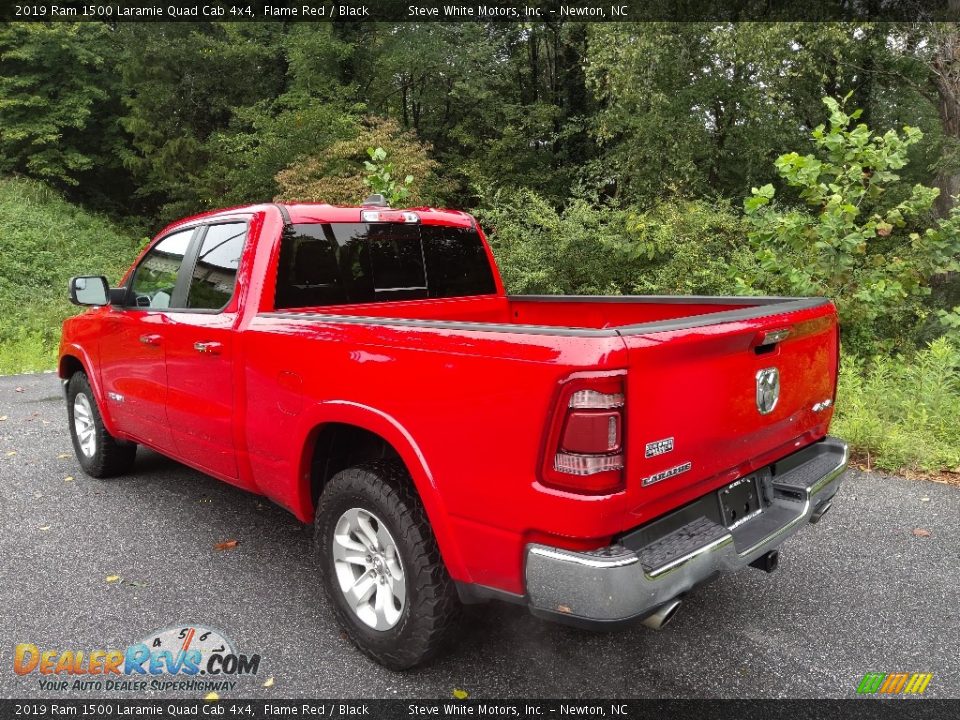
x=315, y=212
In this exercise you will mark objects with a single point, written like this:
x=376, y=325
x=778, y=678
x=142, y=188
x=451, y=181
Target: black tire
x=432, y=611
x=110, y=457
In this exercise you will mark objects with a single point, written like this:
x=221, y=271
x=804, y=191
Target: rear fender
x=375, y=421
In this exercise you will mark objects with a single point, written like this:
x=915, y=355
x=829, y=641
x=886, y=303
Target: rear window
x=457, y=262
x=342, y=263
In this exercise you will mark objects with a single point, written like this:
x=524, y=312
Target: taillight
x=584, y=450
x=836, y=370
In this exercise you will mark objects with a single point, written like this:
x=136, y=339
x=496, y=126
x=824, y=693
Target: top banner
x=397, y=11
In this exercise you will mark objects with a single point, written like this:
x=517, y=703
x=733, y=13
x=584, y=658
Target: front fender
x=79, y=353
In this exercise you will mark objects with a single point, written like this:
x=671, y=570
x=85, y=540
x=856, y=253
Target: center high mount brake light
x=389, y=216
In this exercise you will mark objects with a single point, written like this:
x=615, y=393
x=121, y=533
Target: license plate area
x=740, y=501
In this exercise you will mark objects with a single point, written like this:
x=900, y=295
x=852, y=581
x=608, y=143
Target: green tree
x=496, y=101
x=340, y=174
x=703, y=108
x=58, y=103
x=859, y=237
x=314, y=110
x=182, y=84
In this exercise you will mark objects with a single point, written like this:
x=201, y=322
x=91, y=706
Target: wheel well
x=68, y=366
x=340, y=446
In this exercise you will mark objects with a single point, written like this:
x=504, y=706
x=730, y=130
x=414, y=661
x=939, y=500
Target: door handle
x=151, y=339
x=208, y=348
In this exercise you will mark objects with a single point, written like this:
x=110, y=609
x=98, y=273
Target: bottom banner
x=445, y=709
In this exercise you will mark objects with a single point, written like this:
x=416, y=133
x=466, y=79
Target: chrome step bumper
x=645, y=569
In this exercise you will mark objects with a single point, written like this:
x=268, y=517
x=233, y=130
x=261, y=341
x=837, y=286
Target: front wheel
x=381, y=568
x=100, y=454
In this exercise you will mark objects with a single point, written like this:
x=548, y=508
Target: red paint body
x=469, y=404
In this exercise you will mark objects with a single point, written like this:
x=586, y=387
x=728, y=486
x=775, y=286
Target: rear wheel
x=381, y=568
x=99, y=453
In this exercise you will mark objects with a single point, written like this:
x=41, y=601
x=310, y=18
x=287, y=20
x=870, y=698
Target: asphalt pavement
x=874, y=587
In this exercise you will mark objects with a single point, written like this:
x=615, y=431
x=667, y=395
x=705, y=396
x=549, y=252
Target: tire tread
x=113, y=457
x=438, y=610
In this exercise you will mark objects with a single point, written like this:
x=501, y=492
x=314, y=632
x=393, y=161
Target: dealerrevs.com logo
x=189, y=657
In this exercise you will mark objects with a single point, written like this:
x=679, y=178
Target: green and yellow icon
x=894, y=683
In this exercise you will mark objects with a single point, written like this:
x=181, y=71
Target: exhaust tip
x=662, y=615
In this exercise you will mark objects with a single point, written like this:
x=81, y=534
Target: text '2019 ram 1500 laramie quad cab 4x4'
x=592, y=458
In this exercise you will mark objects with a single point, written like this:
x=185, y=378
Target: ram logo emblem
x=768, y=390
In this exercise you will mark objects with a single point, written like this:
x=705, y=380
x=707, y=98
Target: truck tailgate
x=694, y=421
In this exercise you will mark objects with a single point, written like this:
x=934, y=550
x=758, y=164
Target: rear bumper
x=666, y=558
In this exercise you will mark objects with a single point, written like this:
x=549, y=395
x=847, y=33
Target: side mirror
x=118, y=296
x=89, y=290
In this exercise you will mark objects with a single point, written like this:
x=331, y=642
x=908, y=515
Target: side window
x=156, y=276
x=215, y=272
x=457, y=263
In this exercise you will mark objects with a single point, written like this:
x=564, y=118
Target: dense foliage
x=603, y=158
x=901, y=411
x=348, y=170
x=45, y=240
x=860, y=236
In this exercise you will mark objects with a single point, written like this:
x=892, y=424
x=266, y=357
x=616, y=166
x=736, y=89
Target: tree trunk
x=945, y=65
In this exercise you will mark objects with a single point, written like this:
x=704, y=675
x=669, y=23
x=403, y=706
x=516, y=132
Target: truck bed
x=570, y=314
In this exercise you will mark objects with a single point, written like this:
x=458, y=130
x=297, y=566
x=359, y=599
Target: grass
x=43, y=241
x=901, y=414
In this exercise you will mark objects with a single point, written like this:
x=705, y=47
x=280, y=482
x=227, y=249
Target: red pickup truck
x=591, y=458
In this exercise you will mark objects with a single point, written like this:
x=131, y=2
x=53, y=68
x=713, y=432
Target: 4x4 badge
x=768, y=390
x=658, y=447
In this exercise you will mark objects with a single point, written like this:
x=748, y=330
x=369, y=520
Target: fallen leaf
x=564, y=609
x=68, y=478
x=921, y=532
x=63, y=456
x=269, y=682
x=2, y=418
x=45, y=527
x=112, y=578
x=211, y=696
x=11, y=453
x=226, y=545
x=19, y=389
x=460, y=694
